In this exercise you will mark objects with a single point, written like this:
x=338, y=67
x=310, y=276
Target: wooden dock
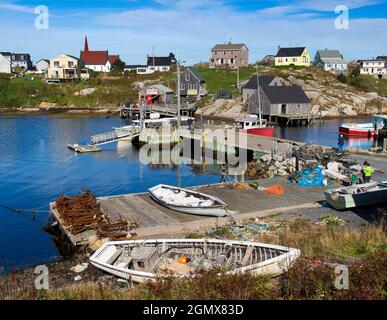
x=155, y=220
x=239, y=140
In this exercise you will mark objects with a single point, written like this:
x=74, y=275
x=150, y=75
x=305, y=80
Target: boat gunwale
x=289, y=255
x=216, y=206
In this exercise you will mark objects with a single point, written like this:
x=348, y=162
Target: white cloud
x=8, y=6
x=192, y=31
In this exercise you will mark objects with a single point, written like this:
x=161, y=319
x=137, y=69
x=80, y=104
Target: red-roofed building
x=99, y=61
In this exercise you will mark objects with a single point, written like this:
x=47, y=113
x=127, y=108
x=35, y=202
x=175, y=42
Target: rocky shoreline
x=76, y=110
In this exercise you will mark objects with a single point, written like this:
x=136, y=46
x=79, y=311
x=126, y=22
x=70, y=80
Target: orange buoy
x=183, y=260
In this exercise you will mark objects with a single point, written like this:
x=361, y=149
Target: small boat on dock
x=357, y=195
x=87, y=148
x=147, y=260
x=357, y=129
x=188, y=201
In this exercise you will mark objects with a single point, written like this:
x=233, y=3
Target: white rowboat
x=188, y=201
x=144, y=260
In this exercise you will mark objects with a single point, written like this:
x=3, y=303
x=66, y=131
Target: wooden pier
x=133, y=111
x=250, y=141
x=155, y=220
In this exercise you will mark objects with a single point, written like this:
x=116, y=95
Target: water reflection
x=326, y=133
x=36, y=167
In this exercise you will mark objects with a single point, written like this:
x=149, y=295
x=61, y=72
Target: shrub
x=342, y=78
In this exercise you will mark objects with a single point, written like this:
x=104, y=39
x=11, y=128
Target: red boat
x=357, y=129
x=256, y=126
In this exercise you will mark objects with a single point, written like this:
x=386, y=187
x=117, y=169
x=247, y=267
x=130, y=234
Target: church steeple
x=86, y=45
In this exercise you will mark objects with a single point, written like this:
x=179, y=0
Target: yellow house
x=292, y=56
x=63, y=68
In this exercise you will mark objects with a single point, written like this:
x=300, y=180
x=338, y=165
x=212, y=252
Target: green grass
x=113, y=90
x=370, y=84
x=217, y=79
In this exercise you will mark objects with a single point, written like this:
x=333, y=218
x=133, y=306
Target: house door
x=283, y=109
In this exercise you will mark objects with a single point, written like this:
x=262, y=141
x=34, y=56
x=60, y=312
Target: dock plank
x=146, y=214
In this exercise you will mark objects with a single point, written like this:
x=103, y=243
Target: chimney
x=86, y=45
x=279, y=47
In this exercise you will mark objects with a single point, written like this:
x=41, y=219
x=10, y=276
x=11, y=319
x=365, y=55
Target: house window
x=56, y=64
x=304, y=59
x=294, y=59
x=192, y=86
x=182, y=86
x=283, y=109
x=187, y=77
x=71, y=64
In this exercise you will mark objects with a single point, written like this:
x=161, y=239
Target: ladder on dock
x=114, y=136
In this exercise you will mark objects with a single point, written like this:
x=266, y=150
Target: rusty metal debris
x=83, y=213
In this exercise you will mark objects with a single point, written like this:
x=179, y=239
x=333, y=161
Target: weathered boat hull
x=343, y=201
x=275, y=259
x=216, y=211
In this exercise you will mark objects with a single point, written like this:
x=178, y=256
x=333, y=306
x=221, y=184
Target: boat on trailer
x=357, y=195
x=188, y=201
x=147, y=260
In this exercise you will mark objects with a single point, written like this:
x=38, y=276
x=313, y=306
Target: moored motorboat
x=83, y=148
x=188, y=201
x=145, y=260
x=357, y=195
x=253, y=125
x=357, y=129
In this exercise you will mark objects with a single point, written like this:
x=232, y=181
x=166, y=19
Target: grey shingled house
x=277, y=98
x=192, y=84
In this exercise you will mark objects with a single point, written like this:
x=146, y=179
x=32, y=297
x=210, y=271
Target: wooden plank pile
x=83, y=213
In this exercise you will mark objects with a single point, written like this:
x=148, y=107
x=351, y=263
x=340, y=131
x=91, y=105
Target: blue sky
x=191, y=27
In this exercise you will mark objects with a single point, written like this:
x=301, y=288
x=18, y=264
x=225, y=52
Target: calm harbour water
x=36, y=167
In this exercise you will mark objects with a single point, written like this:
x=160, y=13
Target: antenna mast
x=259, y=99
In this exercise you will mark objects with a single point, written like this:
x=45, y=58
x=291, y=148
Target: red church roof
x=96, y=57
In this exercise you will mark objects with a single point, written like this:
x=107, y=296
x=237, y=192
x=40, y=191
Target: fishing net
x=275, y=190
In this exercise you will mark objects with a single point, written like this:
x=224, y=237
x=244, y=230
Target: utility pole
x=259, y=98
x=238, y=79
x=178, y=95
x=238, y=74
x=153, y=53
